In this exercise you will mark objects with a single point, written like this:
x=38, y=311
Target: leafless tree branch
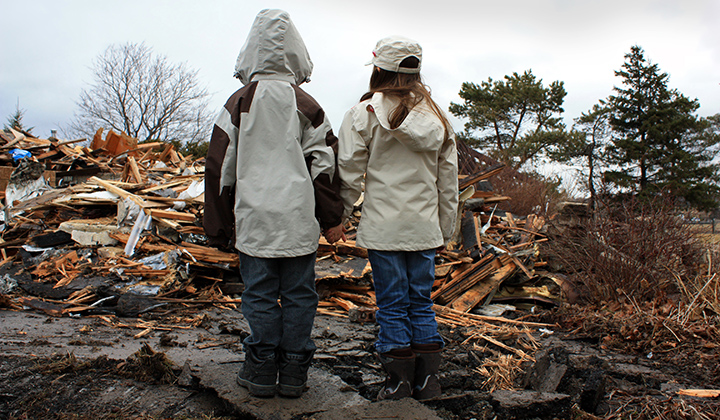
x=145, y=96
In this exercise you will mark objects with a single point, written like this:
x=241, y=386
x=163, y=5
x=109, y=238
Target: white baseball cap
x=389, y=52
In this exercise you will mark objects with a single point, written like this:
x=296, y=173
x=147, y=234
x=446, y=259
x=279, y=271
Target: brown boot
x=399, y=365
x=427, y=365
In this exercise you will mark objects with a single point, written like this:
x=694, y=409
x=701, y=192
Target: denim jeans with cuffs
x=285, y=325
x=403, y=282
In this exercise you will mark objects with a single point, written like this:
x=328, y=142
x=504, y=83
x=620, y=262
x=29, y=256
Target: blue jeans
x=285, y=325
x=403, y=282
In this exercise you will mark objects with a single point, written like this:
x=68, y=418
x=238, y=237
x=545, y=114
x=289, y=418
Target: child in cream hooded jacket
x=400, y=142
x=270, y=188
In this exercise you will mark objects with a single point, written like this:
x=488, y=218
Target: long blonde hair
x=408, y=88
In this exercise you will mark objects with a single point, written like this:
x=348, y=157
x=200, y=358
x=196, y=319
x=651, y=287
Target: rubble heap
x=115, y=227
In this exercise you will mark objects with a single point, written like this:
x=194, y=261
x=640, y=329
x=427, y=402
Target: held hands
x=334, y=234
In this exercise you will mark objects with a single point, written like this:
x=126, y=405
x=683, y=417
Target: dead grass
x=653, y=408
x=147, y=365
x=500, y=373
x=701, y=293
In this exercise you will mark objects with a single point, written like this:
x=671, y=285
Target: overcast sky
x=47, y=46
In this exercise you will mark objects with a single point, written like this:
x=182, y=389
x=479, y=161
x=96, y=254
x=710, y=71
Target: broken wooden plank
x=479, y=291
x=468, y=318
x=477, y=276
x=700, y=393
x=172, y=215
x=134, y=170
x=442, y=293
x=493, y=170
x=117, y=191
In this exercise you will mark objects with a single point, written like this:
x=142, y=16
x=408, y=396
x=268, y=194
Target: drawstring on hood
x=274, y=49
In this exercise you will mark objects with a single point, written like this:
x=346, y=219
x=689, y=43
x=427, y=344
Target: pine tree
x=657, y=146
x=15, y=120
x=513, y=120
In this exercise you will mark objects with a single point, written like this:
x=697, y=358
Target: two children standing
x=276, y=176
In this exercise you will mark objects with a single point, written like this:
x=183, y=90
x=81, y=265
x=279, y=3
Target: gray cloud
x=48, y=46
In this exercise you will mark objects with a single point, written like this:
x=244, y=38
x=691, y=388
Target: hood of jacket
x=274, y=49
x=421, y=131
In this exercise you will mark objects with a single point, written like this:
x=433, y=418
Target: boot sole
x=257, y=390
x=291, y=391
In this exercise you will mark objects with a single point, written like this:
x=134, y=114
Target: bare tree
x=142, y=94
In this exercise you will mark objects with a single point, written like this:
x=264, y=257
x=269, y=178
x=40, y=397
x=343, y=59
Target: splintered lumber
x=496, y=199
x=341, y=248
x=196, y=252
x=482, y=289
x=198, y=301
x=118, y=191
x=495, y=169
x=172, y=215
x=354, y=297
x=700, y=393
x=343, y=303
x=18, y=138
x=455, y=287
x=133, y=169
x=143, y=272
x=208, y=254
x=462, y=318
x=455, y=257
x=164, y=186
x=522, y=266
x=325, y=311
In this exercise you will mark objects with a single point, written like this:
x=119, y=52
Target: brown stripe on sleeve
x=328, y=206
x=331, y=140
x=218, y=217
x=240, y=102
x=309, y=107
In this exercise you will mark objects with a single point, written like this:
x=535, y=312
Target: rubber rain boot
x=399, y=365
x=427, y=365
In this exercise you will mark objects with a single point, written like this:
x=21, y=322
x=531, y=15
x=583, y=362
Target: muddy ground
x=181, y=362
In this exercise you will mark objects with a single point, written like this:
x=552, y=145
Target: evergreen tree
x=658, y=145
x=513, y=120
x=15, y=120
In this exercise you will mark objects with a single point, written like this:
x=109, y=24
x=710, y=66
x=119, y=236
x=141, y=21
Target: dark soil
x=616, y=363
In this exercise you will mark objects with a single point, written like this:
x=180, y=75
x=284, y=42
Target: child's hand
x=334, y=234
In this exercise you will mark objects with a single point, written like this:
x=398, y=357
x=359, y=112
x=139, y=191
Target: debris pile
x=85, y=225
x=490, y=247
x=115, y=228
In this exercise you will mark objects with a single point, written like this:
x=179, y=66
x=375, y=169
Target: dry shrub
x=630, y=249
x=529, y=193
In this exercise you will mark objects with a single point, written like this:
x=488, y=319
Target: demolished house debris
x=86, y=225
